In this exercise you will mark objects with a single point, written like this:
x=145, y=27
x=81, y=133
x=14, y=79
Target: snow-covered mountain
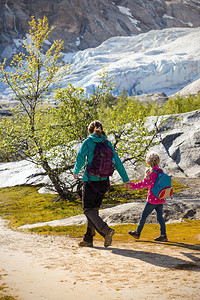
x=158, y=61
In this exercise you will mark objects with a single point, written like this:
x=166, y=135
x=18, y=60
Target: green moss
x=118, y=194
x=187, y=232
x=24, y=205
x=7, y=298
x=177, y=186
x=71, y=231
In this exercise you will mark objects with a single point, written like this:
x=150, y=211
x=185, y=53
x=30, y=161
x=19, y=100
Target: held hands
x=127, y=185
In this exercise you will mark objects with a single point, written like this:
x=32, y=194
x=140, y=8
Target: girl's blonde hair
x=152, y=159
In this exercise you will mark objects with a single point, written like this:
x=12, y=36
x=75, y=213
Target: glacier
x=157, y=61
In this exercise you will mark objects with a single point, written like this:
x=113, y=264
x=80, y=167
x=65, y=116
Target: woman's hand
x=75, y=176
x=127, y=185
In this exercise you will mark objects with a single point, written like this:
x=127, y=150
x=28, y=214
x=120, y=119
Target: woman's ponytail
x=96, y=127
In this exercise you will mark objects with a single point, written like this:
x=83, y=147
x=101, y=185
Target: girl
x=153, y=202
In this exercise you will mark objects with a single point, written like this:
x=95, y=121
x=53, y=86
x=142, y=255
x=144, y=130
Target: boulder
x=182, y=143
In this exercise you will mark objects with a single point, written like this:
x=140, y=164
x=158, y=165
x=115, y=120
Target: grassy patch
x=118, y=194
x=71, y=230
x=187, y=232
x=24, y=205
x=7, y=298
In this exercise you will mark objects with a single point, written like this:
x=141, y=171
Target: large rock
x=178, y=147
x=182, y=143
x=83, y=24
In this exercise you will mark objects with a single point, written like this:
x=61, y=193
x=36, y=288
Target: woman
x=95, y=187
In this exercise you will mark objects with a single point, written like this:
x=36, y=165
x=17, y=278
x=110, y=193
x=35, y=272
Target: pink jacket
x=148, y=183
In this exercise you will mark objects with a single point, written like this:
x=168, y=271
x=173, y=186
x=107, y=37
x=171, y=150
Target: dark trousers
x=146, y=212
x=93, y=194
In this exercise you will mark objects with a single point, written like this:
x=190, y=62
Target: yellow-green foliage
x=175, y=105
x=71, y=230
x=7, y=298
x=181, y=104
x=23, y=204
x=186, y=232
x=177, y=186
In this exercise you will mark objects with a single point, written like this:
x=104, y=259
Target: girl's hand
x=147, y=173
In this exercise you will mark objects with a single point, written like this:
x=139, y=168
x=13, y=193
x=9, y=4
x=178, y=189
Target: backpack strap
x=158, y=172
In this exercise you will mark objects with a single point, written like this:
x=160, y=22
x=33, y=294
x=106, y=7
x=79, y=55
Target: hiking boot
x=135, y=234
x=85, y=244
x=108, y=237
x=161, y=238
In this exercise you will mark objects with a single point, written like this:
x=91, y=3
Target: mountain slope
x=87, y=23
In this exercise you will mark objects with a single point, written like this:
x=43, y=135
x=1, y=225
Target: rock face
x=87, y=23
x=192, y=89
x=179, y=146
x=159, y=98
x=182, y=143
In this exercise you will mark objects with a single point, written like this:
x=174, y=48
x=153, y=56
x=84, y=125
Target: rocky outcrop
x=192, y=89
x=182, y=143
x=178, y=146
x=159, y=98
x=87, y=23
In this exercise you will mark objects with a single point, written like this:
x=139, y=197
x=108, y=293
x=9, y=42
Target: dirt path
x=42, y=267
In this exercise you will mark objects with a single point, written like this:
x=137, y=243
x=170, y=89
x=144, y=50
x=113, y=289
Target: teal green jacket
x=85, y=156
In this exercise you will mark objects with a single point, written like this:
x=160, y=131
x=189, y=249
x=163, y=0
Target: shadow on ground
x=163, y=260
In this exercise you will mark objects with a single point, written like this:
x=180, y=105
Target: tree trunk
x=62, y=191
